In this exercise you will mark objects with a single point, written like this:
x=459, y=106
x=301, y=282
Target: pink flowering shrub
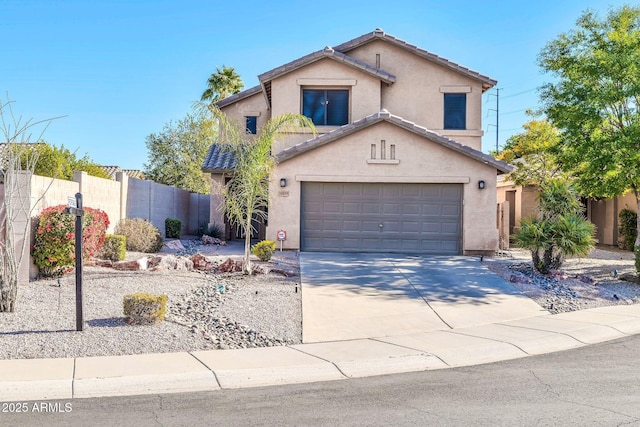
x=54, y=249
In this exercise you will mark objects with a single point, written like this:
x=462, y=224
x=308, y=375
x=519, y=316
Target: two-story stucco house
x=396, y=165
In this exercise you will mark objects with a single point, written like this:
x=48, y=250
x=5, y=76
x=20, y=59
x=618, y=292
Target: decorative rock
x=585, y=279
x=103, y=263
x=171, y=262
x=208, y=240
x=202, y=263
x=174, y=245
x=197, y=311
x=629, y=277
x=126, y=265
x=557, y=274
x=230, y=266
x=519, y=278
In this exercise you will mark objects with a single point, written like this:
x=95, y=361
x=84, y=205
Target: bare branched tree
x=17, y=162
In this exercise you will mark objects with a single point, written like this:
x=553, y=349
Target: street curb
x=48, y=379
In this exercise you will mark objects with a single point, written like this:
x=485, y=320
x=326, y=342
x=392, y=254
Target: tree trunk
x=247, y=246
x=551, y=259
x=636, y=247
x=8, y=293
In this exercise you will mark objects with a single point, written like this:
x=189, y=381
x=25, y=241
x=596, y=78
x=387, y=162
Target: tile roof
x=384, y=115
x=238, y=96
x=339, y=53
x=379, y=34
x=131, y=173
x=218, y=159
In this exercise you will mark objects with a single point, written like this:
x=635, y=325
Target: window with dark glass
x=455, y=110
x=252, y=124
x=326, y=107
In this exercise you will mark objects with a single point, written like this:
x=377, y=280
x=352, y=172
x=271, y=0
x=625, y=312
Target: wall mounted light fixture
x=481, y=184
x=283, y=182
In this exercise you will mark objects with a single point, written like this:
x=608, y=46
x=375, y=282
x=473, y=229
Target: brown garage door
x=362, y=217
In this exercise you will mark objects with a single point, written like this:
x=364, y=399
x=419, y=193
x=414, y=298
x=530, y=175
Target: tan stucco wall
x=604, y=215
x=526, y=200
x=423, y=82
x=254, y=105
x=417, y=79
x=420, y=161
x=215, y=213
x=324, y=74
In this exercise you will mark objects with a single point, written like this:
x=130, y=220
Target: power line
x=520, y=93
x=515, y=111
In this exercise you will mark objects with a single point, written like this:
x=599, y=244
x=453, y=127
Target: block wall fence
x=123, y=198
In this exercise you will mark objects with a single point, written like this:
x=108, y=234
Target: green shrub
x=558, y=231
x=213, y=230
x=53, y=251
x=264, y=250
x=172, y=228
x=144, y=309
x=115, y=247
x=628, y=228
x=141, y=235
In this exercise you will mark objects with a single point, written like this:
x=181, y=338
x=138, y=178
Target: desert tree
x=245, y=196
x=533, y=152
x=175, y=155
x=594, y=100
x=18, y=160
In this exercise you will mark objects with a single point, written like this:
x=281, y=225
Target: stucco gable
x=379, y=34
x=384, y=115
x=326, y=53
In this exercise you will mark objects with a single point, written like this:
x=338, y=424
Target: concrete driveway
x=351, y=296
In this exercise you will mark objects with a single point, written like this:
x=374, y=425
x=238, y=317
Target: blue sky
x=119, y=70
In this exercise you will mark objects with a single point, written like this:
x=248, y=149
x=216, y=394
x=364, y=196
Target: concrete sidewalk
x=39, y=379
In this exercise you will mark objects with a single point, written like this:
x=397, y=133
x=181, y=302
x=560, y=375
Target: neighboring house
x=131, y=173
x=603, y=213
x=396, y=165
x=521, y=202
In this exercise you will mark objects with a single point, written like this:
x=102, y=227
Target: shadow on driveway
x=347, y=296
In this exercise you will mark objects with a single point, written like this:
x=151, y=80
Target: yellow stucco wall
x=420, y=161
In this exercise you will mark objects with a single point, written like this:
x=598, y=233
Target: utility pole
x=497, y=110
x=497, y=116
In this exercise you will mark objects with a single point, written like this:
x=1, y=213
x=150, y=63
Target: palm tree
x=246, y=194
x=221, y=84
x=560, y=229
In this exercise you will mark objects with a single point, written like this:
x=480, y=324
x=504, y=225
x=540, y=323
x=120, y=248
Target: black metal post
x=79, y=319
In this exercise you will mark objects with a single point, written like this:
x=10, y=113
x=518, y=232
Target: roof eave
x=238, y=96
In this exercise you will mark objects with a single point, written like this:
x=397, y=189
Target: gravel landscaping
x=230, y=310
x=205, y=311
x=581, y=283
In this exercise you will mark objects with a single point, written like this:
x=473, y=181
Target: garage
x=381, y=217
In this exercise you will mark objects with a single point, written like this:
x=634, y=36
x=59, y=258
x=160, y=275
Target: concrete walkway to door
x=351, y=296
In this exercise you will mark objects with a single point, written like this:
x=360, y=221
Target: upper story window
x=326, y=107
x=252, y=124
x=455, y=111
